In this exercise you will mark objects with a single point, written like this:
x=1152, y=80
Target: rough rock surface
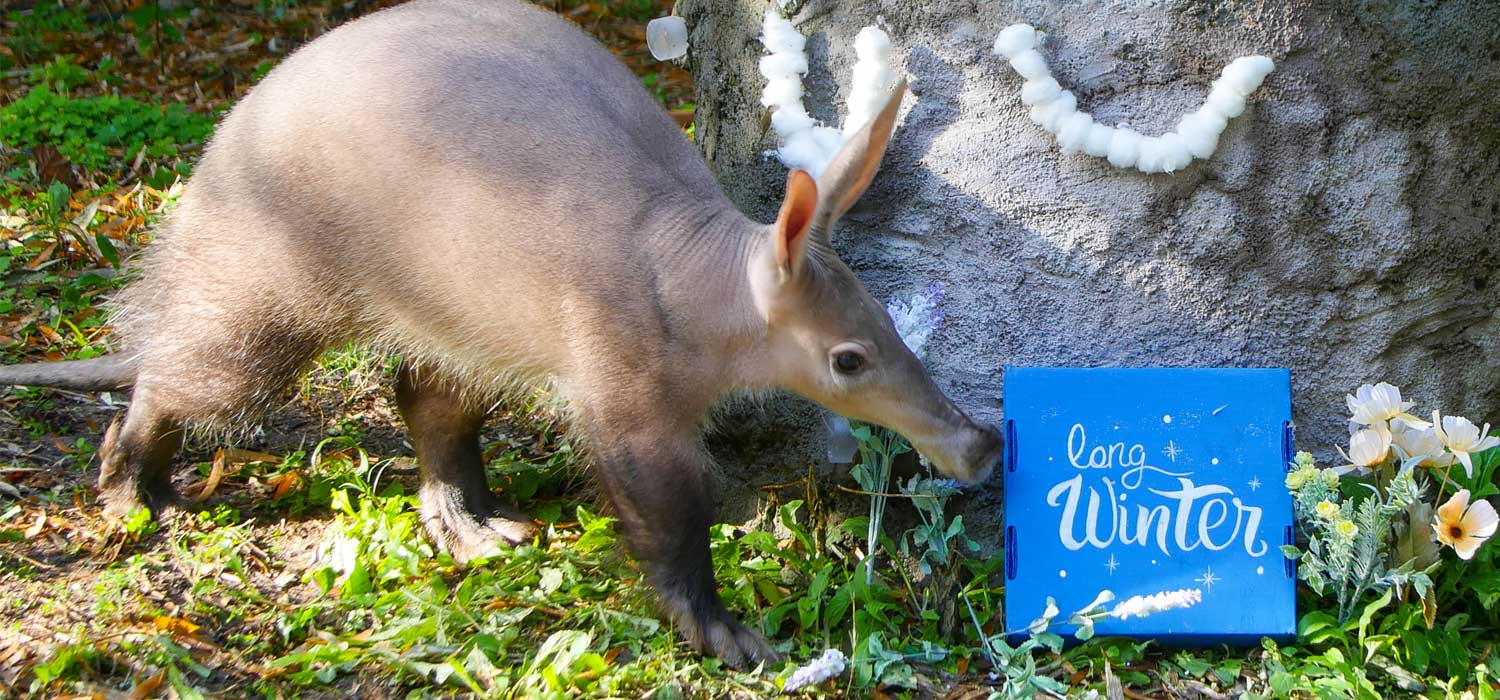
x=1348, y=226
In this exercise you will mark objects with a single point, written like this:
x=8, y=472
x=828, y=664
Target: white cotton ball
x=1074, y=131
x=780, y=36
x=1030, y=65
x=782, y=65
x=1124, y=148
x=1049, y=116
x=801, y=150
x=1175, y=155
x=830, y=140
x=1015, y=39
x=1226, y=102
x=871, y=75
x=781, y=91
x=1036, y=92
x=1211, y=118
x=1244, y=74
x=791, y=118
x=871, y=44
x=1152, y=155
x=1097, y=142
x=1198, y=132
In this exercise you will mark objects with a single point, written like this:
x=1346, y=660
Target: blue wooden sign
x=1147, y=480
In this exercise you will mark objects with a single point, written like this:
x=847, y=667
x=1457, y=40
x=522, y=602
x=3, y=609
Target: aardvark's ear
x=854, y=167
x=794, y=222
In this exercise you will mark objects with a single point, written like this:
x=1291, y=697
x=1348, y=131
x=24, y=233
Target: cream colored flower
x=1329, y=477
x=1464, y=527
x=1367, y=448
x=1328, y=510
x=1374, y=404
x=1346, y=529
x=1413, y=442
x=1463, y=438
x=1296, y=479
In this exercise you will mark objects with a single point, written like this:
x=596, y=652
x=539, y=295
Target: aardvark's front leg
x=656, y=477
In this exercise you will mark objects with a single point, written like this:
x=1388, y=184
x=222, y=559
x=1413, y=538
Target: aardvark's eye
x=848, y=362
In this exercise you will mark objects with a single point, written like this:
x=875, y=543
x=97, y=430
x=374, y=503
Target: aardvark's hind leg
x=460, y=512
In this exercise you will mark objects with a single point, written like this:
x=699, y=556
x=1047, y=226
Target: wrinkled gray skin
x=479, y=186
x=1348, y=226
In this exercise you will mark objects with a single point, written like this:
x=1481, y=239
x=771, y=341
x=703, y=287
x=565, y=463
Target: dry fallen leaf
x=147, y=688
x=285, y=483
x=36, y=527
x=176, y=625
x=215, y=475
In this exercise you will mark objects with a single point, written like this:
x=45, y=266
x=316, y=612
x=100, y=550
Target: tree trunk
x=1347, y=227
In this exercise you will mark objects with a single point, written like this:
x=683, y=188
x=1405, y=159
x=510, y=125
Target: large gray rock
x=1348, y=226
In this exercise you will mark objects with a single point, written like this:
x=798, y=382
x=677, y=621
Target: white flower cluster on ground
x=830, y=664
x=1056, y=110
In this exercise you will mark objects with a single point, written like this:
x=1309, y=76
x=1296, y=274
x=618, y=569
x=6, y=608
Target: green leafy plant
x=97, y=132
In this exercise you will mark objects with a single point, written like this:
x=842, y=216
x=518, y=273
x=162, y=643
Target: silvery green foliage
x=917, y=319
x=1351, y=552
x=933, y=541
x=878, y=449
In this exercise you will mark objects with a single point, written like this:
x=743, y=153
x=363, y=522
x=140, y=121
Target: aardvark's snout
x=983, y=456
x=969, y=454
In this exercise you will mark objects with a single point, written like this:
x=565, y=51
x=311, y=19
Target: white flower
x=1419, y=443
x=1367, y=448
x=1142, y=606
x=1463, y=438
x=916, y=320
x=830, y=664
x=1104, y=596
x=1374, y=404
x=1464, y=527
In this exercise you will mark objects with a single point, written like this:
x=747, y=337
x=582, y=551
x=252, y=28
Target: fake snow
x=1055, y=110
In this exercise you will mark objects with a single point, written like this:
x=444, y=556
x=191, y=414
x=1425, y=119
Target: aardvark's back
x=449, y=164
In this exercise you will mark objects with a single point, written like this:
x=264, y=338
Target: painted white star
x=1255, y=483
x=1171, y=450
x=1208, y=579
x=1112, y=564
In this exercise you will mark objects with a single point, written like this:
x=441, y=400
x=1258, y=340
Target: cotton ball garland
x=805, y=143
x=1049, y=116
x=1097, y=143
x=1030, y=65
x=779, y=35
x=872, y=78
x=1015, y=39
x=1036, y=92
x=1074, y=131
x=1055, y=110
x=1124, y=148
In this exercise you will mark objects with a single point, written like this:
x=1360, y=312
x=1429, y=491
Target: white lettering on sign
x=1183, y=517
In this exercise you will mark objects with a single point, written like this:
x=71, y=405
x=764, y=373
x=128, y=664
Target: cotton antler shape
x=1056, y=110
x=805, y=143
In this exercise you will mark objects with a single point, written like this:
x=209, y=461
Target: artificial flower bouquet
x=1410, y=489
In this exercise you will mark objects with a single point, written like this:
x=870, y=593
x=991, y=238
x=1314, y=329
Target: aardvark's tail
x=108, y=373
